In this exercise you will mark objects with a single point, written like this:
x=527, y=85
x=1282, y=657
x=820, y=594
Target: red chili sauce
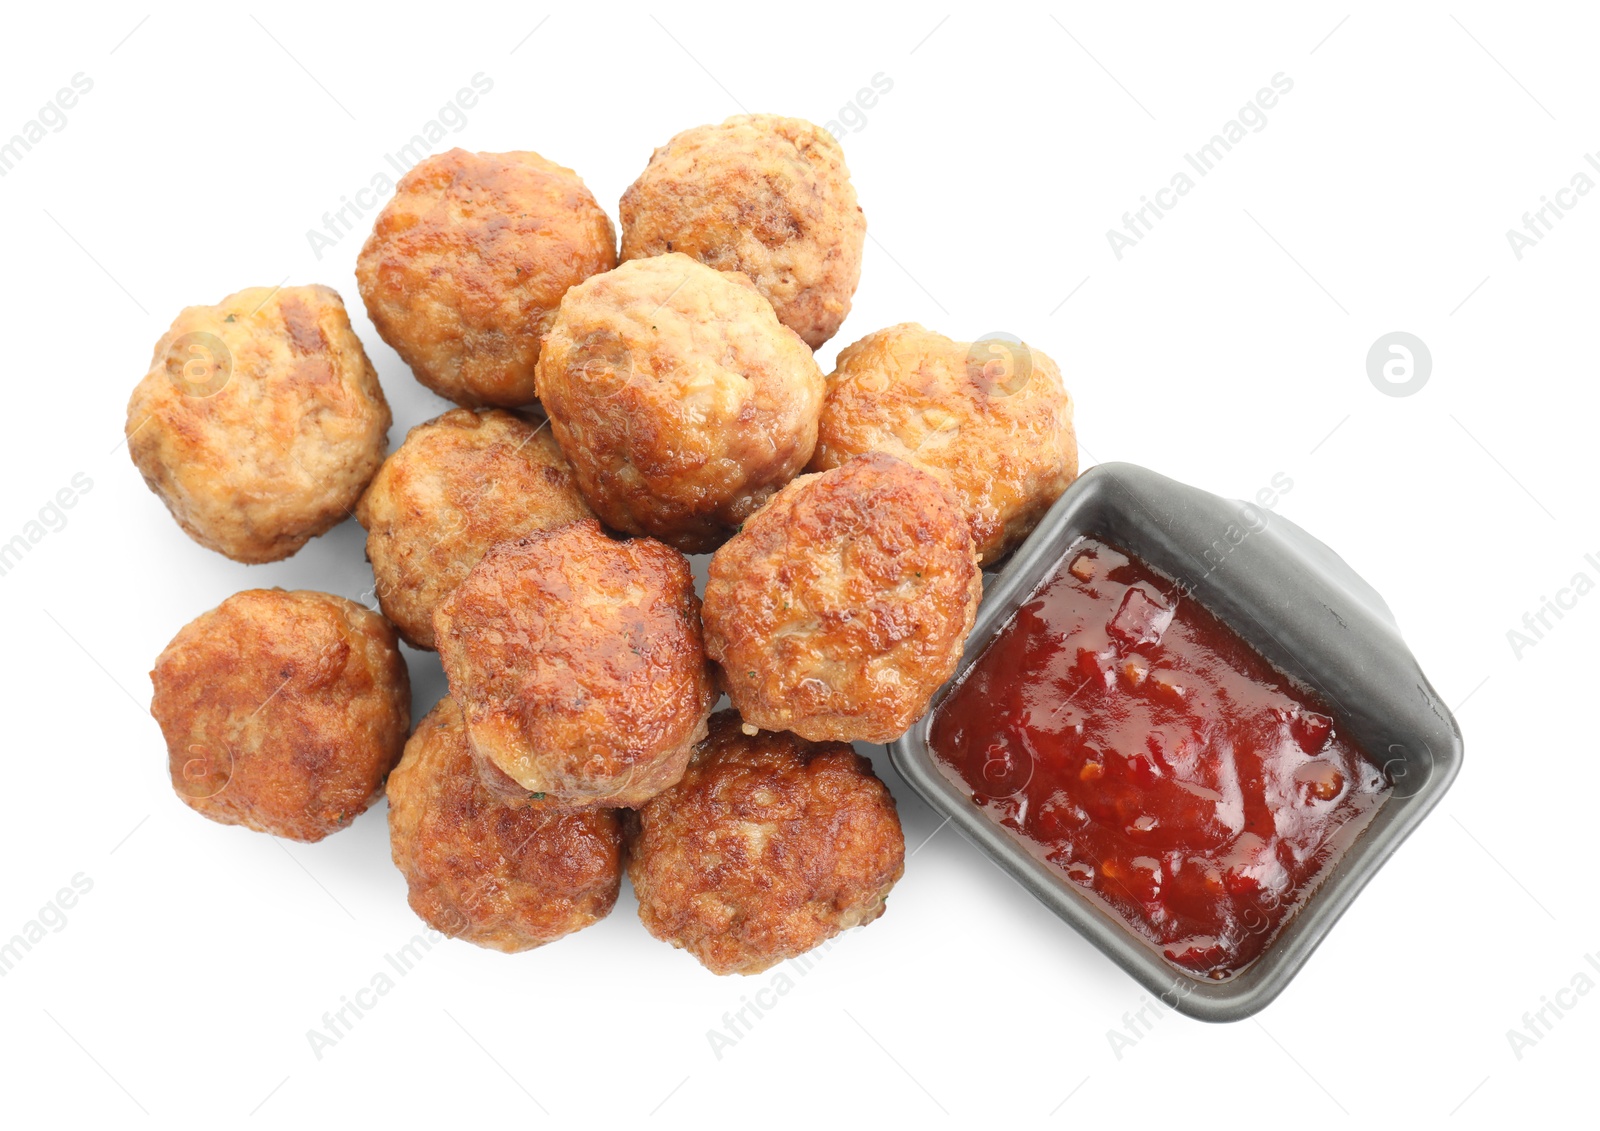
x=1125, y=735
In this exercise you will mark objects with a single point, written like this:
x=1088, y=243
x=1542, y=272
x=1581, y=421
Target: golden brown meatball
x=578, y=662
x=260, y=422
x=459, y=484
x=990, y=418
x=680, y=400
x=845, y=602
x=465, y=267
x=509, y=878
x=283, y=711
x=769, y=846
x=763, y=195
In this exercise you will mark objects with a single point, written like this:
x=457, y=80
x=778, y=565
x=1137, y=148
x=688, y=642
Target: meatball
x=763, y=195
x=681, y=401
x=260, y=422
x=465, y=267
x=990, y=418
x=508, y=878
x=845, y=602
x=459, y=484
x=283, y=712
x=578, y=663
x=769, y=846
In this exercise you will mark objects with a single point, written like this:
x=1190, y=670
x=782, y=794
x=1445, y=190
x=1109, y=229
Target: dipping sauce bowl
x=1190, y=729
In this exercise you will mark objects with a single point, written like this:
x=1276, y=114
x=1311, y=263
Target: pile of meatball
x=617, y=412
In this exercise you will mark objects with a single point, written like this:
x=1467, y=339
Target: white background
x=1226, y=347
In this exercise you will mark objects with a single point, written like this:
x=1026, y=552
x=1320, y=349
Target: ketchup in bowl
x=1133, y=741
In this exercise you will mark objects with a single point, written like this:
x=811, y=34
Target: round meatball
x=467, y=263
x=459, y=484
x=990, y=418
x=260, y=422
x=680, y=400
x=763, y=195
x=506, y=877
x=845, y=602
x=283, y=711
x=577, y=660
x=769, y=846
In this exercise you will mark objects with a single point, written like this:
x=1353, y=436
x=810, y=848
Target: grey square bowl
x=1305, y=611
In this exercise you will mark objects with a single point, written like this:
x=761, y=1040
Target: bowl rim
x=1310, y=615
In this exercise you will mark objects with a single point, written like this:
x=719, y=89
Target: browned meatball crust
x=467, y=263
x=577, y=660
x=990, y=418
x=282, y=711
x=764, y=195
x=506, y=877
x=260, y=421
x=769, y=846
x=845, y=602
x=459, y=484
x=681, y=401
